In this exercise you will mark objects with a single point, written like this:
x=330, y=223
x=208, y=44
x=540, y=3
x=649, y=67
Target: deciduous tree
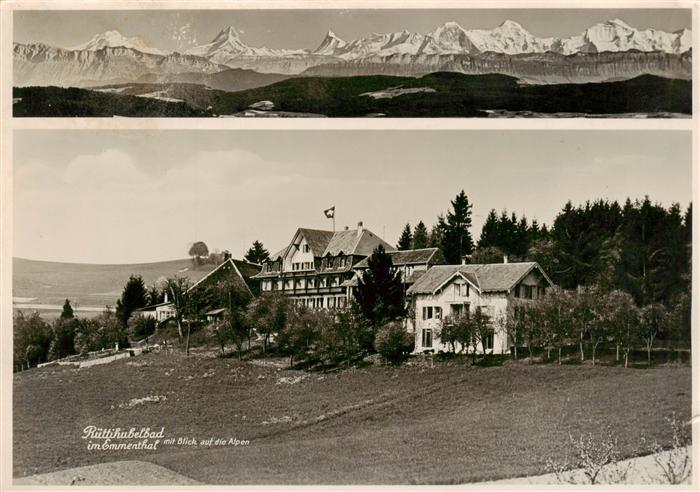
x=197, y=251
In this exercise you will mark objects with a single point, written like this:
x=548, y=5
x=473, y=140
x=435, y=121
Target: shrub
x=141, y=326
x=675, y=463
x=32, y=339
x=393, y=342
x=596, y=456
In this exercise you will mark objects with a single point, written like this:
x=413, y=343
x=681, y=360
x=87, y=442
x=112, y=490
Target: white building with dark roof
x=314, y=267
x=448, y=291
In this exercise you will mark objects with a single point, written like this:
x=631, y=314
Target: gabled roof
x=405, y=257
x=316, y=239
x=279, y=255
x=341, y=242
x=238, y=266
x=491, y=277
x=348, y=242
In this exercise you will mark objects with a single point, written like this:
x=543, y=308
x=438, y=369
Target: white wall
x=495, y=305
x=297, y=255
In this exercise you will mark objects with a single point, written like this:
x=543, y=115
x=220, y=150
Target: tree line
x=607, y=259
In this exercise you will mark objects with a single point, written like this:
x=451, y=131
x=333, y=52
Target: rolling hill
x=88, y=285
x=443, y=94
x=61, y=102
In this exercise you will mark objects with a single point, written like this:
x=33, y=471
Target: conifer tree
x=457, y=240
x=420, y=236
x=257, y=253
x=405, y=239
x=379, y=290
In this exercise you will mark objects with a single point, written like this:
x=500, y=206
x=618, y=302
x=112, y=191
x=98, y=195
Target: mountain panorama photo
x=609, y=69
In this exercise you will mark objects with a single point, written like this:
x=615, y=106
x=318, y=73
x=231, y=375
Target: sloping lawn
x=414, y=424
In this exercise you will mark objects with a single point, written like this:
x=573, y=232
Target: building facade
x=230, y=270
x=411, y=265
x=315, y=267
x=448, y=291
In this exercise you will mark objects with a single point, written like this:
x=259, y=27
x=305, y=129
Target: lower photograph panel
x=351, y=307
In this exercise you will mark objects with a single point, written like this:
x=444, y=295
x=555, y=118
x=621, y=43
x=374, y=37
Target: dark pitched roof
x=405, y=257
x=317, y=240
x=279, y=254
x=491, y=277
x=348, y=242
x=341, y=242
x=242, y=268
x=415, y=276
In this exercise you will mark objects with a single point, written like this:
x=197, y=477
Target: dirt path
x=115, y=473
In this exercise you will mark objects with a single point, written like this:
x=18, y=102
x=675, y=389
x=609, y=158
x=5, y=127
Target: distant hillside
x=46, y=282
x=440, y=94
x=60, y=102
x=453, y=94
x=232, y=79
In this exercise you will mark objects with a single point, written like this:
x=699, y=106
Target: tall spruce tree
x=405, y=239
x=420, y=236
x=379, y=290
x=134, y=296
x=257, y=253
x=457, y=240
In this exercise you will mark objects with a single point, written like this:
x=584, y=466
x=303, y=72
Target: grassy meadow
x=449, y=423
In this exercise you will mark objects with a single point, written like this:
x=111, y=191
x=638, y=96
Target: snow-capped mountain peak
x=330, y=45
x=616, y=35
x=115, y=39
x=618, y=22
x=510, y=25
x=227, y=34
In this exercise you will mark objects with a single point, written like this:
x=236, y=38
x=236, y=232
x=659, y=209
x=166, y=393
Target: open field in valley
x=414, y=424
x=94, y=285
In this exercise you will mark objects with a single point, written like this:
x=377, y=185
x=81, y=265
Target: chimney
x=165, y=299
x=505, y=258
x=359, y=228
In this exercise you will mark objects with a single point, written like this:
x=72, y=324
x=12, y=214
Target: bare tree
x=177, y=288
x=652, y=321
x=595, y=460
x=675, y=463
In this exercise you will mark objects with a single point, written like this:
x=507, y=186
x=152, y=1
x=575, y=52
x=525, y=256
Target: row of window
x=529, y=291
x=322, y=302
x=301, y=283
x=328, y=263
x=427, y=339
x=435, y=312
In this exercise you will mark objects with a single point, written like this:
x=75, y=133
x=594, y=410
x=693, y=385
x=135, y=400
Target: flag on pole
x=330, y=212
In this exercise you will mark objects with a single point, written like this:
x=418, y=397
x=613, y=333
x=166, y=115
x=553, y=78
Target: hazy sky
x=132, y=196
x=182, y=29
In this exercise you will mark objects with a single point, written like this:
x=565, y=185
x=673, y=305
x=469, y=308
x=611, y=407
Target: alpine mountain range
x=609, y=51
